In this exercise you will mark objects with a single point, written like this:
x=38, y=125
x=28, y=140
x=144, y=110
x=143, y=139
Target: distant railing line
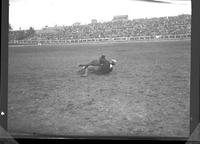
x=135, y=38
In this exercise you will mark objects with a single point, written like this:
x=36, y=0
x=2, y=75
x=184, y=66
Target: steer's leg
x=85, y=72
x=82, y=69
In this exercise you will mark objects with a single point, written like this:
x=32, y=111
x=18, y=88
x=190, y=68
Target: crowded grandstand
x=117, y=28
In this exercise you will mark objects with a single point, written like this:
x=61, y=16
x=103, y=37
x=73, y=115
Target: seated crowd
x=173, y=25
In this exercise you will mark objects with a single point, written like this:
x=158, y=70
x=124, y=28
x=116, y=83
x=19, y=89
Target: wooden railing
x=97, y=40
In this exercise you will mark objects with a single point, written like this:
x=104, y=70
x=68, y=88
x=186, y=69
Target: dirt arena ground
x=147, y=94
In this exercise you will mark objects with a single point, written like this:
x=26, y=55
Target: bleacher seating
x=162, y=26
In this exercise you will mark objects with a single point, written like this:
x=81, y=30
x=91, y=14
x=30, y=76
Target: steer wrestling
x=99, y=66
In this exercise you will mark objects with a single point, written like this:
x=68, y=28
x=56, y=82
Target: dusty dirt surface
x=147, y=93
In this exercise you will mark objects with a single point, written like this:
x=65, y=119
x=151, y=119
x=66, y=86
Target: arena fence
x=95, y=40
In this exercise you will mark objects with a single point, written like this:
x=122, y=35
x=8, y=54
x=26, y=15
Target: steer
x=98, y=66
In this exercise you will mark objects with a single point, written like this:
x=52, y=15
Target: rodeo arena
x=117, y=78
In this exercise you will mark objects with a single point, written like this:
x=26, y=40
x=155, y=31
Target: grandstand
x=162, y=27
x=93, y=21
x=120, y=18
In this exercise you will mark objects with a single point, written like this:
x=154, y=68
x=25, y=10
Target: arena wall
x=101, y=40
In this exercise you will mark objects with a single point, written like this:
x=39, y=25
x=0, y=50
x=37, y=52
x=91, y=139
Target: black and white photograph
x=99, y=67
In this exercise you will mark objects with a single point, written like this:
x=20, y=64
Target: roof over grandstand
x=38, y=14
x=47, y=30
